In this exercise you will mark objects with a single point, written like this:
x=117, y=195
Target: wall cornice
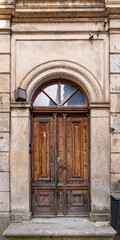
x=59, y=8
x=66, y=5
x=7, y=6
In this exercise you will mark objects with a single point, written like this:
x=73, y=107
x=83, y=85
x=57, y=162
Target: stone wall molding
x=66, y=69
x=20, y=105
x=100, y=105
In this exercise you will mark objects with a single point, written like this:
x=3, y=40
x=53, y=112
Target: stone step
x=60, y=229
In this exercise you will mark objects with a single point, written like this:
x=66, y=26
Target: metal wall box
x=20, y=94
x=115, y=212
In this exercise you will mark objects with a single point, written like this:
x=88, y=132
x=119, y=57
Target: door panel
x=43, y=202
x=77, y=166
x=43, y=166
x=77, y=202
x=60, y=184
x=76, y=149
x=44, y=151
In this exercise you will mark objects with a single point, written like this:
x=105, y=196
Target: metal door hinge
x=112, y=130
x=29, y=148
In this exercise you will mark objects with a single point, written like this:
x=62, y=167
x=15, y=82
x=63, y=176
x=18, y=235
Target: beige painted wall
x=20, y=160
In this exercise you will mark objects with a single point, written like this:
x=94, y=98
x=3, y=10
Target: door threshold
x=61, y=216
x=60, y=220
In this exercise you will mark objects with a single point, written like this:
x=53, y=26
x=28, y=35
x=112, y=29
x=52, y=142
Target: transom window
x=59, y=94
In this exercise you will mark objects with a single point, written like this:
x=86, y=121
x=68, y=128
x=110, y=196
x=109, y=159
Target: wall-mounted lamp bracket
x=105, y=22
x=20, y=94
x=91, y=36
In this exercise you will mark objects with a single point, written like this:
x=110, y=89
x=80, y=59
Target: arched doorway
x=60, y=166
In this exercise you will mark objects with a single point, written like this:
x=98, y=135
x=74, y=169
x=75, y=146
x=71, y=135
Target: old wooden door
x=60, y=179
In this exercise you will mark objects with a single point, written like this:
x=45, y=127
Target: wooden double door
x=60, y=168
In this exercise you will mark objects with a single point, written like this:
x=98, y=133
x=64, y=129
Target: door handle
x=63, y=165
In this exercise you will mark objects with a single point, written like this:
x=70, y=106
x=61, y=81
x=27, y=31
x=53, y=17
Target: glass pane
x=76, y=100
x=53, y=91
x=66, y=91
x=42, y=100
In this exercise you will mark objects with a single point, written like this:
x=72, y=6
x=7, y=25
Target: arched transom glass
x=59, y=94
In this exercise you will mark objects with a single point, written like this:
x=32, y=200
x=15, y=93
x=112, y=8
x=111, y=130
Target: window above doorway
x=59, y=93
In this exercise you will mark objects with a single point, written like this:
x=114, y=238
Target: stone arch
x=65, y=69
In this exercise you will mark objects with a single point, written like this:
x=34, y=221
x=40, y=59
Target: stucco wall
x=4, y=114
x=115, y=104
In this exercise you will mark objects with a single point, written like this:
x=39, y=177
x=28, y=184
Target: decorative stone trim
x=66, y=69
x=59, y=6
x=99, y=105
x=20, y=104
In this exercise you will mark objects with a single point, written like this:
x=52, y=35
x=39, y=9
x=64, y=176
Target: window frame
x=59, y=107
